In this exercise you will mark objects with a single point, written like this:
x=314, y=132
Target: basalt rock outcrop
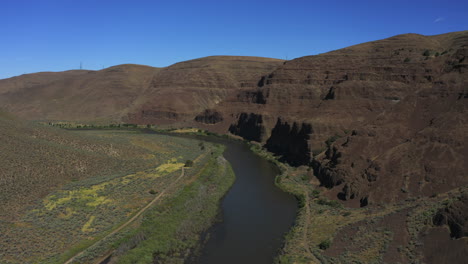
x=249, y=126
x=455, y=216
x=184, y=90
x=290, y=142
x=388, y=117
x=209, y=116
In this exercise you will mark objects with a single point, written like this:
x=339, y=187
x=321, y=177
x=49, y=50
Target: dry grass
x=62, y=189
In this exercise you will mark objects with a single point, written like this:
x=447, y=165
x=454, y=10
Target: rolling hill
x=132, y=92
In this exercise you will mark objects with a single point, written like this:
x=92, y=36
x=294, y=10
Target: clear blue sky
x=43, y=35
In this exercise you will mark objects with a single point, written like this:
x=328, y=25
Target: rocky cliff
x=386, y=115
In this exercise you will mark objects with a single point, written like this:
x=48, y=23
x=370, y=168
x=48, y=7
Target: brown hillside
x=35, y=79
x=181, y=91
x=384, y=127
x=91, y=95
x=397, y=106
x=143, y=93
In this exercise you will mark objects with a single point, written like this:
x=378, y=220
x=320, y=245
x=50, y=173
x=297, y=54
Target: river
x=256, y=214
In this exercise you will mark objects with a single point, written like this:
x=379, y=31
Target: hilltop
x=131, y=92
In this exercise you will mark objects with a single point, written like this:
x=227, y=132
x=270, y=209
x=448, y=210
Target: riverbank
x=254, y=209
x=326, y=231
x=170, y=232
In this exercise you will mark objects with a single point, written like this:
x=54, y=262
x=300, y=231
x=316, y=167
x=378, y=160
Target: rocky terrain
x=380, y=123
x=386, y=115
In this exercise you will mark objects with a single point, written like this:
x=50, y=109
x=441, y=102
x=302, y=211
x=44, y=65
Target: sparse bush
x=188, y=163
x=315, y=193
x=346, y=213
x=331, y=203
x=426, y=53
x=407, y=60
x=324, y=244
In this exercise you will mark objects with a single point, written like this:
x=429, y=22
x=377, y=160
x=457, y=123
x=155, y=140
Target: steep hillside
x=89, y=96
x=181, y=91
x=383, y=128
x=394, y=107
x=132, y=93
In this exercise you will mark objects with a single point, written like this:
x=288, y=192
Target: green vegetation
x=174, y=227
x=331, y=203
x=84, y=184
x=407, y=60
x=188, y=163
x=324, y=244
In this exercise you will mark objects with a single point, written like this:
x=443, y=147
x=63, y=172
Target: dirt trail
x=138, y=214
x=306, y=227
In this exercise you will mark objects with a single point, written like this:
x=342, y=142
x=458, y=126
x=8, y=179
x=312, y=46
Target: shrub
x=407, y=60
x=346, y=213
x=324, y=244
x=188, y=163
x=153, y=192
x=426, y=53
x=315, y=193
x=331, y=203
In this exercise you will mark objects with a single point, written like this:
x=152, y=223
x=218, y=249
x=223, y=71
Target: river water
x=256, y=214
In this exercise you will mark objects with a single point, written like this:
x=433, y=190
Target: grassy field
x=74, y=188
